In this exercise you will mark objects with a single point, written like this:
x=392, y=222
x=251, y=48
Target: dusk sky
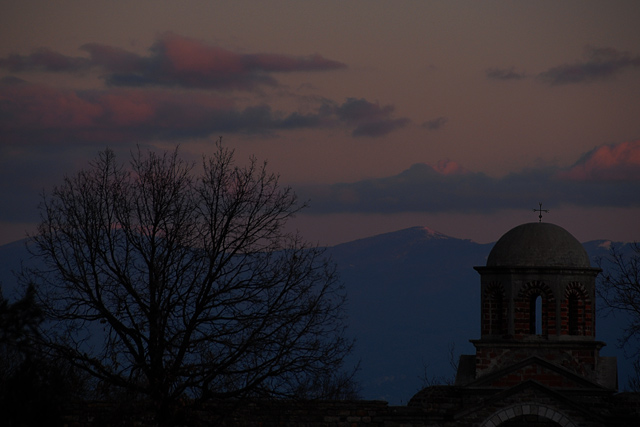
x=456, y=115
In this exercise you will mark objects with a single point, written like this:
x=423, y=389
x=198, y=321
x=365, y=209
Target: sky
x=461, y=116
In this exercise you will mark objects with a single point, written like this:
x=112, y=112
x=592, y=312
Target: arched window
x=535, y=312
x=497, y=307
x=576, y=305
x=494, y=313
x=496, y=321
x=573, y=314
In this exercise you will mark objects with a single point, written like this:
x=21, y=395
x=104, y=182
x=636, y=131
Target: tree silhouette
x=176, y=285
x=33, y=384
x=619, y=289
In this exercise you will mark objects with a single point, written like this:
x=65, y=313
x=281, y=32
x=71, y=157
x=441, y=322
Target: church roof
x=538, y=244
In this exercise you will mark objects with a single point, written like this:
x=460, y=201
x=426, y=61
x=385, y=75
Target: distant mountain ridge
x=412, y=294
x=405, y=288
x=406, y=235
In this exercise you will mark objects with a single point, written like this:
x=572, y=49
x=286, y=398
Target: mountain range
x=414, y=304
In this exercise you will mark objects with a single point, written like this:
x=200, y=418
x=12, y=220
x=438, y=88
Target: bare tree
x=174, y=284
x=429, y=379
x=619, y=289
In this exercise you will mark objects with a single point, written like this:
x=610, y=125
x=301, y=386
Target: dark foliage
x=33, y=384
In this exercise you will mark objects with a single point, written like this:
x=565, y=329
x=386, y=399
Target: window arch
x=535, y=308
x=542, y=413
x=573, y=313
x=575, y=306
x=495, y=310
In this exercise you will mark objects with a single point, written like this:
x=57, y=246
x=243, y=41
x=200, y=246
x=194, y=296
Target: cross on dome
x=541, y=210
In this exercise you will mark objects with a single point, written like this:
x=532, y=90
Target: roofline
x=535, y=359
x=483, y=269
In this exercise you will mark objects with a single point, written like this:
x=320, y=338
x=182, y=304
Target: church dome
x=538, y=245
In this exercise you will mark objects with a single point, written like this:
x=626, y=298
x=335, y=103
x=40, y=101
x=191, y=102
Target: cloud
x=144, y=97
x=35, y=113
x=115, y=60
x=44, y=60
x=174, y=61
x=615, y=162
x=435, y=124
x=369, y=119
x=449, y=167
x=601, y=178
x=598, y=64
x=504, y=74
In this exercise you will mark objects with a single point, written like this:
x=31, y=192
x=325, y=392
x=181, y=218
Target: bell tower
x=537, y=361
x=538, y=300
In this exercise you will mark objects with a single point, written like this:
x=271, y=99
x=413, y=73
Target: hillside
x=413, y=294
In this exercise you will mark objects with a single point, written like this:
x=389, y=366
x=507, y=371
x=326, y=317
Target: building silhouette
x=537, y=362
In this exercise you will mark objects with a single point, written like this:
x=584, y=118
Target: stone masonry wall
x=275, y=413
x=622, y=411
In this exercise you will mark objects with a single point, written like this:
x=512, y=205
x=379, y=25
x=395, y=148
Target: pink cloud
x=31, y=112
x=138, y=103
x=27, y=105
x=192, y=63
x=34, y=113
x=193, y=56
x=183, y=55
x=614, y=162
x=128, y=110
x=174, y=60
x=449, y=167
